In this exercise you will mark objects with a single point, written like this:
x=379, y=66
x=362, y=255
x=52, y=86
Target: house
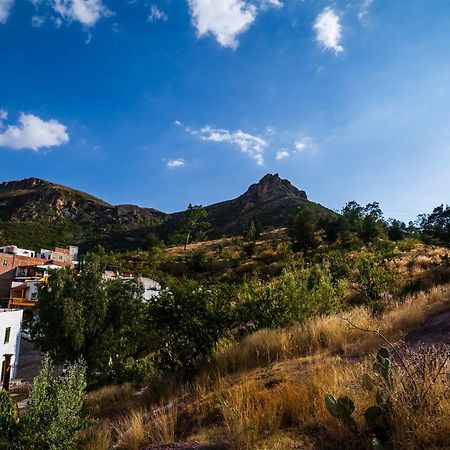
x=24, y=287
x=151, y=287
x=12, y=257
x=66, y=255
x=14, y=250
x=10, y=323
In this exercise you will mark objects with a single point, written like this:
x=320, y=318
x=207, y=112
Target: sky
x=162, y=103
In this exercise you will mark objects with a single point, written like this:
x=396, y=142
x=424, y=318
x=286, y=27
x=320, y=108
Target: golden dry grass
x=131, y=432
x=267, y=391
x=331, y=333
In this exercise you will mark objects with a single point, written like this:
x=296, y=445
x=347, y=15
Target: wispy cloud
x=156, y=14
x=303, y=144
x=5, y=9
x=87, y=12
x=282, y=154
x=33, y=133
x=252, y=145
x=176, y=163
x=329, y=30
x=364, y=9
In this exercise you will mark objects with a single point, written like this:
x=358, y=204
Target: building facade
x=10, y=323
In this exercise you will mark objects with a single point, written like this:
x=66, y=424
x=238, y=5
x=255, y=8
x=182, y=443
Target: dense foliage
x=83, y=314
x=54, y=416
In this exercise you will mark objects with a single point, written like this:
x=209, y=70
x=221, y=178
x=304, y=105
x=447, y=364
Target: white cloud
x=3, y=116
x=266, y=4
x=329, y=30
x=156, y=14
x=178, y=123
x=281, y=154
x=254, y=146
x=5, y=9
x=176, y=163
x=33, y=133
x=87, y=12
x=225, y=19
x=303, y=144
x=364, y=9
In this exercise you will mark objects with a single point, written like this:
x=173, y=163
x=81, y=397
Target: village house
x=151, y=287
x=12, y=257
x=24, y=287
x=10, y=323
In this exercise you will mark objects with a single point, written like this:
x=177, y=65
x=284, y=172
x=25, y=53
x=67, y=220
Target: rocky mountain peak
x=271, y=187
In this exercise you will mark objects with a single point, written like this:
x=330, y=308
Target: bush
x=54, y=417
x=300, y=292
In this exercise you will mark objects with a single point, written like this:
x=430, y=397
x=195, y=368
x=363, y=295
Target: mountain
x=270, y=203
x=35, y=213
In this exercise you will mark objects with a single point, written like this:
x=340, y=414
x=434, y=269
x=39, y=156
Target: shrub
x=54, y=417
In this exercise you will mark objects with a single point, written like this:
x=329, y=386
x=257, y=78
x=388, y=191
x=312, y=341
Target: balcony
x=22, y=302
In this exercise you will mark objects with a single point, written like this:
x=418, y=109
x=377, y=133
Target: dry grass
x=267, y=391
x=97, y=438
x=131, y=432
x=249, y=413
x=163, y=423
x=331, y=333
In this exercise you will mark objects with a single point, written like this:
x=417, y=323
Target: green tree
x=54, y=416
x=190, y=320
x=84, y=315
x=192, y=224
x=375, y=278
x=303, y=229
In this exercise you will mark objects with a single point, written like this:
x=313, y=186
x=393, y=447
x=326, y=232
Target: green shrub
x=54, y=417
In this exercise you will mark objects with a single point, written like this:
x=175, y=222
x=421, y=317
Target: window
x=7, y=335
x=5, y=263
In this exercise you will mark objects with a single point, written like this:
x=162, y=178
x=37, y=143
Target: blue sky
x=165, y=102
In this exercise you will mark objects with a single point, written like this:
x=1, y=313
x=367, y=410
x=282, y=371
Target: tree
x=435, y=227
x=397, y=230
x=192, y=223
x=303, y=228
x=54, y=416
x=190, y=320
x=84, y=315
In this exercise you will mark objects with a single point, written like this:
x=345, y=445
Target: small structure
x=151, y=287
x=10, y=322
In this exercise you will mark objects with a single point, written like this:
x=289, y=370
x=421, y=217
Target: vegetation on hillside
x=251, y=332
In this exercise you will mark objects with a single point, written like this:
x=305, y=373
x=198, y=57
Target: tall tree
x=82, y=314
x=193, y=223
x=303, y=228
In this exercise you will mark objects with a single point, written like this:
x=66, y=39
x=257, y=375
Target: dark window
x=7, y=335
x=5, y=263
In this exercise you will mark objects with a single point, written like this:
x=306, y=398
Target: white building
x=14, y=250
x=10, y=322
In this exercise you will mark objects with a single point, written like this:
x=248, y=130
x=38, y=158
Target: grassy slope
x=266, y=392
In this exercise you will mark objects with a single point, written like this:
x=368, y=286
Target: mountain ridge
x=67, y=213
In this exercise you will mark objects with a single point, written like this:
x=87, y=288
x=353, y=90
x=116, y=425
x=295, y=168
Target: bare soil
x=435, y=331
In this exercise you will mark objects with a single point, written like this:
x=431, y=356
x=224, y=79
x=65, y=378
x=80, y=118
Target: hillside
x=35, y=212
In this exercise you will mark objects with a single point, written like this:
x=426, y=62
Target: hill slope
x=35, y=212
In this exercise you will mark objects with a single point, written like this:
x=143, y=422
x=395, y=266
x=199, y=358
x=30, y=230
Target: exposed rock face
x=272, y=187
x=38, y=200
x=270, y=203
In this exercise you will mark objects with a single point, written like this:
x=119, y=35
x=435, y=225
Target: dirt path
x=435, y=331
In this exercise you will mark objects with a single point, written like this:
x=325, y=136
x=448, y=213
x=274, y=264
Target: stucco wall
x=10, y=318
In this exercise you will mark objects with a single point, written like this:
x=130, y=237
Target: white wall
x=10, y=318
